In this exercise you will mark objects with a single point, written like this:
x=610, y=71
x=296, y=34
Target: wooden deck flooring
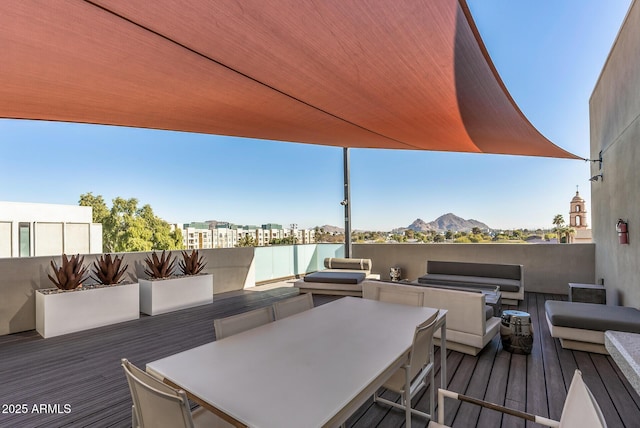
x=83, y=370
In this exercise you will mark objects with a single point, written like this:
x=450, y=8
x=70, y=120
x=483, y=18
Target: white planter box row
x=67, y=312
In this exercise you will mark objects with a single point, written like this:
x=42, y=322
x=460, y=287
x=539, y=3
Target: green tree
x=247, y=241
x=448, y=234
x=126, y=228
x=476, y=230
x=162, y=238
x=398, y=238
x=438, y=238
x=321, y=235
x=99, y=207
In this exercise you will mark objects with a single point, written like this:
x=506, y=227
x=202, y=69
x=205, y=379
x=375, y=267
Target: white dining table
x=313, y=369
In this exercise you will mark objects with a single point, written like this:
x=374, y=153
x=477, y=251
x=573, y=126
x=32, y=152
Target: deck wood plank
x=516, y=396
x=551, y=379
x=497, y=386
x=478, y=384
x=624, y=404
x=596, y=385
x=83, y=369
x=538, y=363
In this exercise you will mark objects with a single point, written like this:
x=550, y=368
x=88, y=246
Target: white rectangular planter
x=71, y=311
x=166, y=295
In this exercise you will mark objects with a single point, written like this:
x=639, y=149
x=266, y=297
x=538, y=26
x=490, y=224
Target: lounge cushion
x=510, y=285
x=592, y=316
x=336, y=277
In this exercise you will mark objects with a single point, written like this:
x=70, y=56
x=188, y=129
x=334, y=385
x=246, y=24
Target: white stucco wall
x=615, y=131
x=53, y=229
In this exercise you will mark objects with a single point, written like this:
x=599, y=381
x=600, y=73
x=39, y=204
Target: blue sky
x=549, y=54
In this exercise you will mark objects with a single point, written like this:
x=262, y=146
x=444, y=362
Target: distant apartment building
x=307, y=236
x=197, y=235
x=272, y=231
x=225, y=235
x=32, y=229
x=228, y=235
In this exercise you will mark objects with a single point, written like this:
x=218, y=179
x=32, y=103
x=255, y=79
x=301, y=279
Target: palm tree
x=558, y=220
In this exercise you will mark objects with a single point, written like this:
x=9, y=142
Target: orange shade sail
x=401, y=74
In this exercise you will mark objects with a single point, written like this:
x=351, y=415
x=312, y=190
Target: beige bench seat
x=509, y=277
x=470, y=324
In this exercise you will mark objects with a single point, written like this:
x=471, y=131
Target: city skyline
x=548, y=55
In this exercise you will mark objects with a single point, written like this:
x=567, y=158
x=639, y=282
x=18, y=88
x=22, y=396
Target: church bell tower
x=577, y=213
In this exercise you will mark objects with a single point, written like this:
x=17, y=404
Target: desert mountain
x=447, y=222
x=332, y=229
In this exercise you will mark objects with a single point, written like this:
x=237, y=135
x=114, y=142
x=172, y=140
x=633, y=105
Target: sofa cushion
x=592, y=316
x=488, y=312
x=475, y=269
x=458, y=286
x=336, y=277
x=510, y=285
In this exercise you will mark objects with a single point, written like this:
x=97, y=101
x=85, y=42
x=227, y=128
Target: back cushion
x=342, y=263
x=488, y=270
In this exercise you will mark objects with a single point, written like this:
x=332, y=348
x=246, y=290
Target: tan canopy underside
x=401, y=74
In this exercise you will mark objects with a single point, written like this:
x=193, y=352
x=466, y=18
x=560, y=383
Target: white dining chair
x=293, y=305
x=157, y=405
x=412, y=376
x=235, y=324
x=580, y=408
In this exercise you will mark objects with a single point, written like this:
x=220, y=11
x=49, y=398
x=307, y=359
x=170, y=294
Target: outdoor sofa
x=581, y=326
x=509, y=277
x=342, y=276
x=470, y=323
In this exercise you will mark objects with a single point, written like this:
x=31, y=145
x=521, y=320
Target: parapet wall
x=548, y=268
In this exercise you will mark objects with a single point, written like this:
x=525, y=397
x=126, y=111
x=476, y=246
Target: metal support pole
x=347, y=204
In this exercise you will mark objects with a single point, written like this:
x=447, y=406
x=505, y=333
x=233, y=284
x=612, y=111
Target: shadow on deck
x=83, y=370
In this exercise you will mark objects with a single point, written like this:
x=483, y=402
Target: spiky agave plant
x=71, y=273
x=191, y=264
x=159, y=267
x=109, y=270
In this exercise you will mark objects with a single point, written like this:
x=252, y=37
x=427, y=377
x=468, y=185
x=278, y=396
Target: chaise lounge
x=341, y=277
x=581, y=326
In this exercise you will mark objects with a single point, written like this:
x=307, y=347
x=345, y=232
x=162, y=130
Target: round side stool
x=516, y=332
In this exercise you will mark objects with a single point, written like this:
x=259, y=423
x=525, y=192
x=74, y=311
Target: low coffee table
x=493, y=295
x=494, y=299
